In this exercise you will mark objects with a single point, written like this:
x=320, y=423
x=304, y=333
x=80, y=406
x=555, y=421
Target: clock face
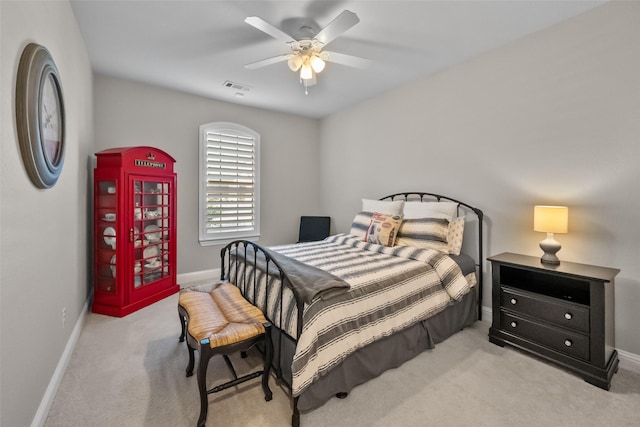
x=50, y=120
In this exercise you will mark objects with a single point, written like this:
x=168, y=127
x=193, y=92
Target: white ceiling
x=196, y=46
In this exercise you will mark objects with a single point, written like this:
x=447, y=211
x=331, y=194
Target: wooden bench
x=216, y=319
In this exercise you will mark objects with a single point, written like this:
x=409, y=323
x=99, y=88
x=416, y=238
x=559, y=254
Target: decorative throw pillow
x=426, y=233
x=415, y=210
x=456, y=231
x=385, y=207
x=360, y=224
x=383, y=229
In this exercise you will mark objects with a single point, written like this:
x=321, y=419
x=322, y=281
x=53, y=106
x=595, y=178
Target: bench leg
x=203, y=363
x=183, y=325
x=191, y=359
x=268, y=356
x=182, y=314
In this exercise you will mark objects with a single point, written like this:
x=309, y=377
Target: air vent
x=236, y=86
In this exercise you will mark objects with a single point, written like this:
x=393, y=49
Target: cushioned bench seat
x=216, y=319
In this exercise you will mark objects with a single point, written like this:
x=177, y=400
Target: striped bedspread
x=390, y=290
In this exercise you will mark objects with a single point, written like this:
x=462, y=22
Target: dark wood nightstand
x=562, y=313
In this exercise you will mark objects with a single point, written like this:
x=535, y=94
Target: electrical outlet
x=64, y=316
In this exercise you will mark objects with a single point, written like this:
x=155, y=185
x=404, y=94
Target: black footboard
x=243, y=274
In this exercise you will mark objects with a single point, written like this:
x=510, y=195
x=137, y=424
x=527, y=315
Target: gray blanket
x=307, y=281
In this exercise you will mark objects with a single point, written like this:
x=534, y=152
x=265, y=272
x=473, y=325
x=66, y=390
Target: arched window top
x=231, y=129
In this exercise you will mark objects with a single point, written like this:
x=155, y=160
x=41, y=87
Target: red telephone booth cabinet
x=134, y=229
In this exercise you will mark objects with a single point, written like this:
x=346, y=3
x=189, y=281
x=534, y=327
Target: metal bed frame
x=273, y=269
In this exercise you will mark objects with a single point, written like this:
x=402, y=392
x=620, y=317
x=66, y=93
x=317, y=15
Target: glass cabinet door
x=151, y=231
x=106, y=208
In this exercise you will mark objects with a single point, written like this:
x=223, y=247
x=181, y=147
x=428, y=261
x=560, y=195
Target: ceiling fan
x=306, y=52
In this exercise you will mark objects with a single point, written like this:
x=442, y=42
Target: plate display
x=150, y=252
x=153, y=264
x=110, y=236
x=153, y=233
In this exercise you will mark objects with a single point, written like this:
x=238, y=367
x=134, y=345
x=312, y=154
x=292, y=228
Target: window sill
x=227, y=240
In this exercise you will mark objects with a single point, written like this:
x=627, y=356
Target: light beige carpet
x=131, y=372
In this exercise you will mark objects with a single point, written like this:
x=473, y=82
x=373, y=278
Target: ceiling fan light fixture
x=295, y=62
x=317, y=63
x=305, y=51
x=306, y=72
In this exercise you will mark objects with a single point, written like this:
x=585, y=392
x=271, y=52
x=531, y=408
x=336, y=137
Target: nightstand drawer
x=569, y=342
x=556, y=311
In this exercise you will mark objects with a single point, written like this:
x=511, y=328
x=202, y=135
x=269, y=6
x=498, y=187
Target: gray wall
x=129, y=113
x=43, y=233
x=550, y=119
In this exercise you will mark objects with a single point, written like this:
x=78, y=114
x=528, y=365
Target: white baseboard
x=629, y=361
x=185, y=278
x=486, y=314
x=50, y=393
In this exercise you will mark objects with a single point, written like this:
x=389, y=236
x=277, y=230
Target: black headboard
x=431, y=197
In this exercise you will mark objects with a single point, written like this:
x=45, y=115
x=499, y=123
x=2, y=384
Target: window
x=229, y=183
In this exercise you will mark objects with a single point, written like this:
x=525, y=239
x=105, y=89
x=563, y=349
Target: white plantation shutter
x=229, y=183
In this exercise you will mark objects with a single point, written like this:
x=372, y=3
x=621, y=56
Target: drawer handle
x=568, y=343
x=568, y=316
x=514, y=324
x=513, y=301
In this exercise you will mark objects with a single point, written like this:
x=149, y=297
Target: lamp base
x=550, y=246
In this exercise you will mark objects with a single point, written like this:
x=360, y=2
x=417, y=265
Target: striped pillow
x=426, y=233
x=360, y=224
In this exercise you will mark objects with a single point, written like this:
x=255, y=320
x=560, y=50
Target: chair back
x=313, y=228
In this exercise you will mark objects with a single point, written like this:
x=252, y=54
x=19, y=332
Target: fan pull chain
x=304, y=83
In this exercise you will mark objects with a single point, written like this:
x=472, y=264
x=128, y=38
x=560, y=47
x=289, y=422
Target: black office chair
x=313, y=228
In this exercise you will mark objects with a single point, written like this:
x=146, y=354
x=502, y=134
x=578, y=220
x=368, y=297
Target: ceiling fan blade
x=348, y=60
x=268, y=61
x=339, y=25
x=265, y=27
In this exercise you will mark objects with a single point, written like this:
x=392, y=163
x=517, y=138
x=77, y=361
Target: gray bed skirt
x=380, y=356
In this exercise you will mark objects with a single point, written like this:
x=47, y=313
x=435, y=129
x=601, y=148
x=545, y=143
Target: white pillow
x=384, y=207
x=417, y=210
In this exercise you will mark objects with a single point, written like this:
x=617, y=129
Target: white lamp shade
x=306, y=72
x=295, y=62
x=551, y=219
x=317, y=64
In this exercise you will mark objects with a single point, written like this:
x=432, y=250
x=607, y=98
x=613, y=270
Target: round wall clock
x=40, y=116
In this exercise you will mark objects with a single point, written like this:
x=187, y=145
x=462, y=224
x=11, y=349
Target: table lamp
x=550, y=219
